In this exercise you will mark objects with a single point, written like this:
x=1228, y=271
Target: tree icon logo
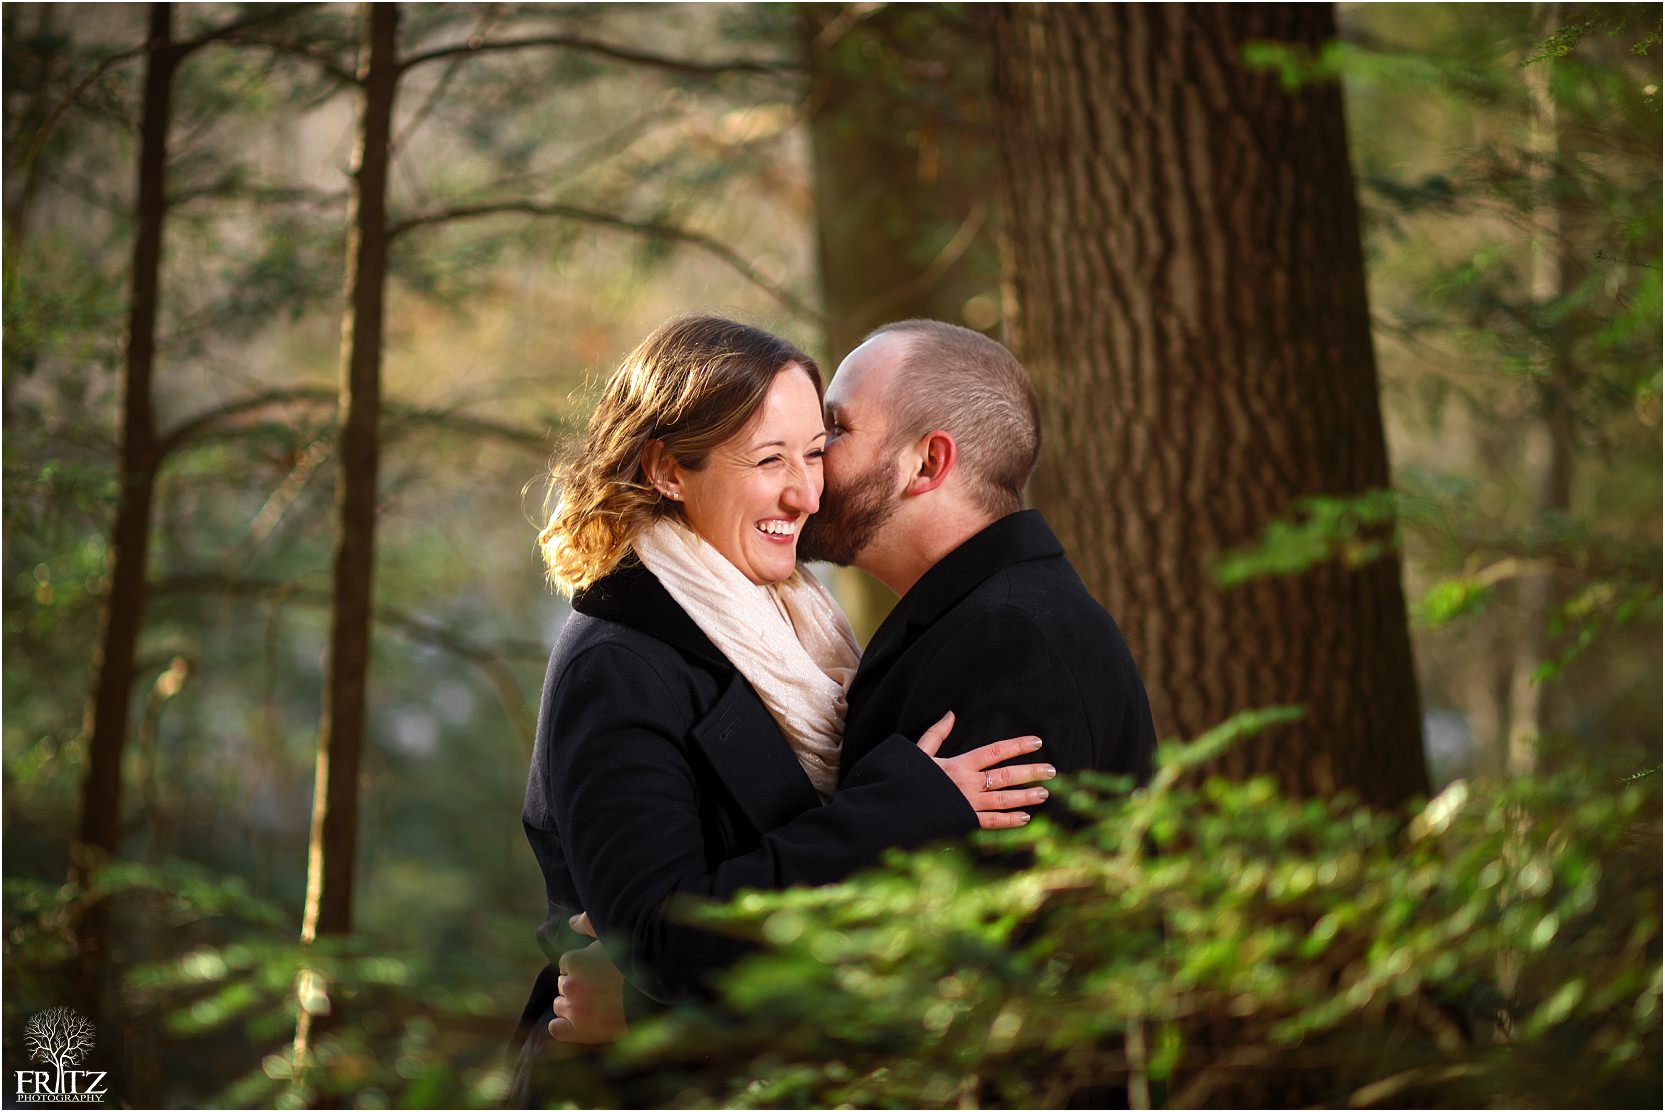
x=61, y=1038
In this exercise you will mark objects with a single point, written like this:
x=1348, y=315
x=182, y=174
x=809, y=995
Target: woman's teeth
x=778, y=528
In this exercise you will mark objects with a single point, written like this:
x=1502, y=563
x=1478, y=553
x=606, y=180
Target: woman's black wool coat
x=658, y=775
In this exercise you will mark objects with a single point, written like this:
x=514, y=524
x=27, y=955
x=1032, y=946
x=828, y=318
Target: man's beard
x=849, y=519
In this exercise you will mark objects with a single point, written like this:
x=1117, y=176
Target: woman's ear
x=933, y=461
x=662, y=470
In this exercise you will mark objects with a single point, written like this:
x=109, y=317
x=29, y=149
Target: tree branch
x=194, y=427
x=273, y=194
x=950, y=254
x=181, y=50
x=649, y=228
x=491, y=659
x=69, y=101
x=272, y=14
x=683, y=66
x=205, y=422
x=294, y=50
x=207, y=583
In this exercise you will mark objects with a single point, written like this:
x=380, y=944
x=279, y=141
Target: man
x=933, y=431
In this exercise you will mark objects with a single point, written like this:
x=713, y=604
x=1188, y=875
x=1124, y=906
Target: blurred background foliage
x=1501, y=949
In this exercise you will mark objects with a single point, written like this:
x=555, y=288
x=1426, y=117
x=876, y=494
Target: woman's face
x=757, y=488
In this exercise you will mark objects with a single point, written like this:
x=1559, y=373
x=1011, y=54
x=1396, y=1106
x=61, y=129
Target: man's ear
x=935, y=455
x=662, y=470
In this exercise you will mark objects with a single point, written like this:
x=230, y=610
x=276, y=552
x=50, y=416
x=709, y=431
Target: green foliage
x=1212, y=943
x=1354, y=530
x=413, y=1029
x=1601, y=608
x=1636, y=23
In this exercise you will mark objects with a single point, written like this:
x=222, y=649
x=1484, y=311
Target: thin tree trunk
x=1547, y=442
x=897, y=107
x=1185, y=281
x=334, y=840
x=110, y=701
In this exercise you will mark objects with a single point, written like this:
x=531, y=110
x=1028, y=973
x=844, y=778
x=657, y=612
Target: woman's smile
x=756, y=490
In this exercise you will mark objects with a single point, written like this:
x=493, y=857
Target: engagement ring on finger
x=988, y=781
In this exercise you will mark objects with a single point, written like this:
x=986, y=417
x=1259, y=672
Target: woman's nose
x=803, y=492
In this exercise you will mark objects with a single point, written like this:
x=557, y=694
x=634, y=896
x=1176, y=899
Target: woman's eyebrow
x=782, y=443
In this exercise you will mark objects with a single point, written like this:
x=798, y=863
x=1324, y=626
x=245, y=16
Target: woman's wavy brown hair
x=692, y=384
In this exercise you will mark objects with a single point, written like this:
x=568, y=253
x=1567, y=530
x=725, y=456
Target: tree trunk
x=110, y=700
x=1185, y=282
x=1547, y=448
x=334, y=840
x=897, y=112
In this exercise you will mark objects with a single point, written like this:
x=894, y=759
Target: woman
x=688, y=743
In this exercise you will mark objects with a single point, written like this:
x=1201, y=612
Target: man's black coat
x=1002, y=632
x=657, y=773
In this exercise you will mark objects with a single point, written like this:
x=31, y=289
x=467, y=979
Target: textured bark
x=1185, y=283
x=334, y=841
x=110, y=700
x=898, y=120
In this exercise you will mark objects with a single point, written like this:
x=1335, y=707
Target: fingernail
x=1024, y=819
x=1041, y=794
x=1034, y=743
x=1050, y=771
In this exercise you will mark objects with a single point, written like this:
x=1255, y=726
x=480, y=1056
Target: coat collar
x=632, y=596
x=1013, y=539
x=736, y=732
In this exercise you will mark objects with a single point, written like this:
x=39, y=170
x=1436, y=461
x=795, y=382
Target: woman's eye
x=816, y=453
x=766, y=461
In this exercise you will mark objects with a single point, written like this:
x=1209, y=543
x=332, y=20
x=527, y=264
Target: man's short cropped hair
x=973, y=388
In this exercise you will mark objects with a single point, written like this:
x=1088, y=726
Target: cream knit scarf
x=790, y=640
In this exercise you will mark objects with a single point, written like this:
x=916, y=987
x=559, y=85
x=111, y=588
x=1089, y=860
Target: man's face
x=863, y=488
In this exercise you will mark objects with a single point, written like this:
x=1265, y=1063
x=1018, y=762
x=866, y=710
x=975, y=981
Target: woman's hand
x=989, y=790
x=590, y=1007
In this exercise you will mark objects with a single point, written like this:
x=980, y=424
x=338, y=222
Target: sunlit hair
x=970, y=386
x=691, y=385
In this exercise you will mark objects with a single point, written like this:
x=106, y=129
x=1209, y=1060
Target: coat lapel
x=765, y=779
x=737, y=735
x=1017, y=537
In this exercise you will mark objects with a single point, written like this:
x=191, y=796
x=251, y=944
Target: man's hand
x=590, y=1007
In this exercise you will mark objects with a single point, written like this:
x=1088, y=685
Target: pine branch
x=231, y=190
x=492, y=659
x=181, y=51
x=204, y=423
x=198, y=583
x=684, y=66
x=194, y=427
x=950, y=254
x=648, y=228
x=299, y=52
x=75, y=94
x=236, y=27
